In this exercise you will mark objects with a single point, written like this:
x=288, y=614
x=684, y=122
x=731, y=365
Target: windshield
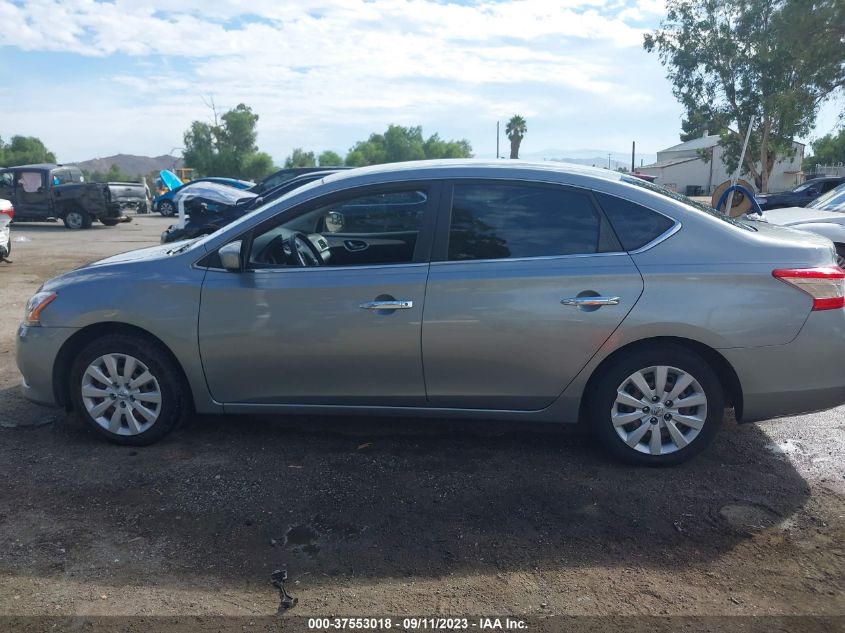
x=833, y=200
x=677, y=197
x=806, y=185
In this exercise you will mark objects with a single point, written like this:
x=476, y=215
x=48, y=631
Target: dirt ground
x=397, y=516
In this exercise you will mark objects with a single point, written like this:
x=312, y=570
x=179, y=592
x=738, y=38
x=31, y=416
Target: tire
x=167, y=208
x=101, y=367
x=76, y=218
x=615, y=392
x=109, y=221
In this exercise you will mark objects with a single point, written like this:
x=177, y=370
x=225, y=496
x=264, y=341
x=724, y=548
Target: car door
x=32, y=197
x=343, y=333
x=527, y=282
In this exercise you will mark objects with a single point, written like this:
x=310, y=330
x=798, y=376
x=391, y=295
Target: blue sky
x=97, y=78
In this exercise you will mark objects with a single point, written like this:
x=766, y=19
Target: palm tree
x=515, y=130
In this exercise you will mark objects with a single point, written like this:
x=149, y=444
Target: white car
x=824, y=216
x=7, y=212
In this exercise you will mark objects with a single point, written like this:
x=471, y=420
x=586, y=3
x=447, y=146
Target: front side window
x=500, y=221
x=368, y=229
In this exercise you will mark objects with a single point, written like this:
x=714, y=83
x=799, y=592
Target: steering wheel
x=305, y=252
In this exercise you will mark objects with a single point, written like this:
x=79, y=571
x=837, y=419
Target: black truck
x=48, y=192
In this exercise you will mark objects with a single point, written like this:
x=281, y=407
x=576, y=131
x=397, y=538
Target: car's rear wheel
x=166, y=208
x=77, y=219
x=657, y=407
x=128, y=389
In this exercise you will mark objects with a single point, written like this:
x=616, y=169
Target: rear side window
x=499, y=221
x=635, y=225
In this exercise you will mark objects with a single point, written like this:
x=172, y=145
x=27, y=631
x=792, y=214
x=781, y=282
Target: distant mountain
x=130, y=164
x=597, y=157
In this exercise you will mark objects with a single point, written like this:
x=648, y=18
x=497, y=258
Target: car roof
x=45, y=166
x=470, y=168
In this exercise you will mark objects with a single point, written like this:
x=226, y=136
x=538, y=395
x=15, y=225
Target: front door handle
x=392, y=304
x=590, y=302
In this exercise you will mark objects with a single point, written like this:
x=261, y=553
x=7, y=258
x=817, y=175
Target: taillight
x=825, y=285
x=10, y=212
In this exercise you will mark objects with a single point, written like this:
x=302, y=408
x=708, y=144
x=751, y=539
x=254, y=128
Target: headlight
x=35, y=305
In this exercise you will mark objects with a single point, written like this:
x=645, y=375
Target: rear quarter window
x=634, y=225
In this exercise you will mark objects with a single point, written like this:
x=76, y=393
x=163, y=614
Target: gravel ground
x=398, y=517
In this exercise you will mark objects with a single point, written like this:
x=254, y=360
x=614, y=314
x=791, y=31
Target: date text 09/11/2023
x=418, y=623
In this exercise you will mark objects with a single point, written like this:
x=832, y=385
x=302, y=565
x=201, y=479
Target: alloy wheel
x=121, y=394
x=659, y=410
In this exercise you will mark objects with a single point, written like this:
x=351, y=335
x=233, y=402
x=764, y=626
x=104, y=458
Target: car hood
x=801, y=215
x=213, y=192
x=170, y=180
x=102, y=267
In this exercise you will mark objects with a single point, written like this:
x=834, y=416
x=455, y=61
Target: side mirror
x=230, y=256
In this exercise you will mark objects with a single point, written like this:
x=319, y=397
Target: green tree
x=827, y=150
x=24, y=150
x=435, y=147
x=328, y=158
x=300, y=158
x=698, y=121
x=226, y=147
x=257, y=166
x=515, y=130
x=773, y=60
x=402, y=144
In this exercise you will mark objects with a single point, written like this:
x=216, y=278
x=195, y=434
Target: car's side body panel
x=159, y=295
x=300, y=336
x=496, y=335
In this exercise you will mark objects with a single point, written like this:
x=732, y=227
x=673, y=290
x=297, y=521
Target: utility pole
x=497, y=140
x=633, y=153
x=608, y=160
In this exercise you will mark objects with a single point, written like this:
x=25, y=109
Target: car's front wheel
x=77, y=219
x=166, y=208
x=128, y=389
x=657, y=406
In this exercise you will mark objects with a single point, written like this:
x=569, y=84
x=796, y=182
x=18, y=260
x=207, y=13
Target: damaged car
x=208, y=209
x=47, y=192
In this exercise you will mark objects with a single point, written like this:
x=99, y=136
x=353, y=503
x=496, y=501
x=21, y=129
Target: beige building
x=682, y=168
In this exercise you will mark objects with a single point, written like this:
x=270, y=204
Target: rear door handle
x=393, y=304
x=589, y=302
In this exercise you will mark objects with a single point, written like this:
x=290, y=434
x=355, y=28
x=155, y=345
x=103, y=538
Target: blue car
x=164, y=204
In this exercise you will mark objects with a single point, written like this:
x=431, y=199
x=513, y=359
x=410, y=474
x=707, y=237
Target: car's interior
x=373, y=229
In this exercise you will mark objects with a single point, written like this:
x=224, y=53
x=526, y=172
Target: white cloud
x=331, y=71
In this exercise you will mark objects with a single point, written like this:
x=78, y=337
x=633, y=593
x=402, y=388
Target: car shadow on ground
x=233, y=498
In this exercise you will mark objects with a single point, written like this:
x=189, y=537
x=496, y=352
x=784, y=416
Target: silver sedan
x=454, y=289
x=824, y=216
